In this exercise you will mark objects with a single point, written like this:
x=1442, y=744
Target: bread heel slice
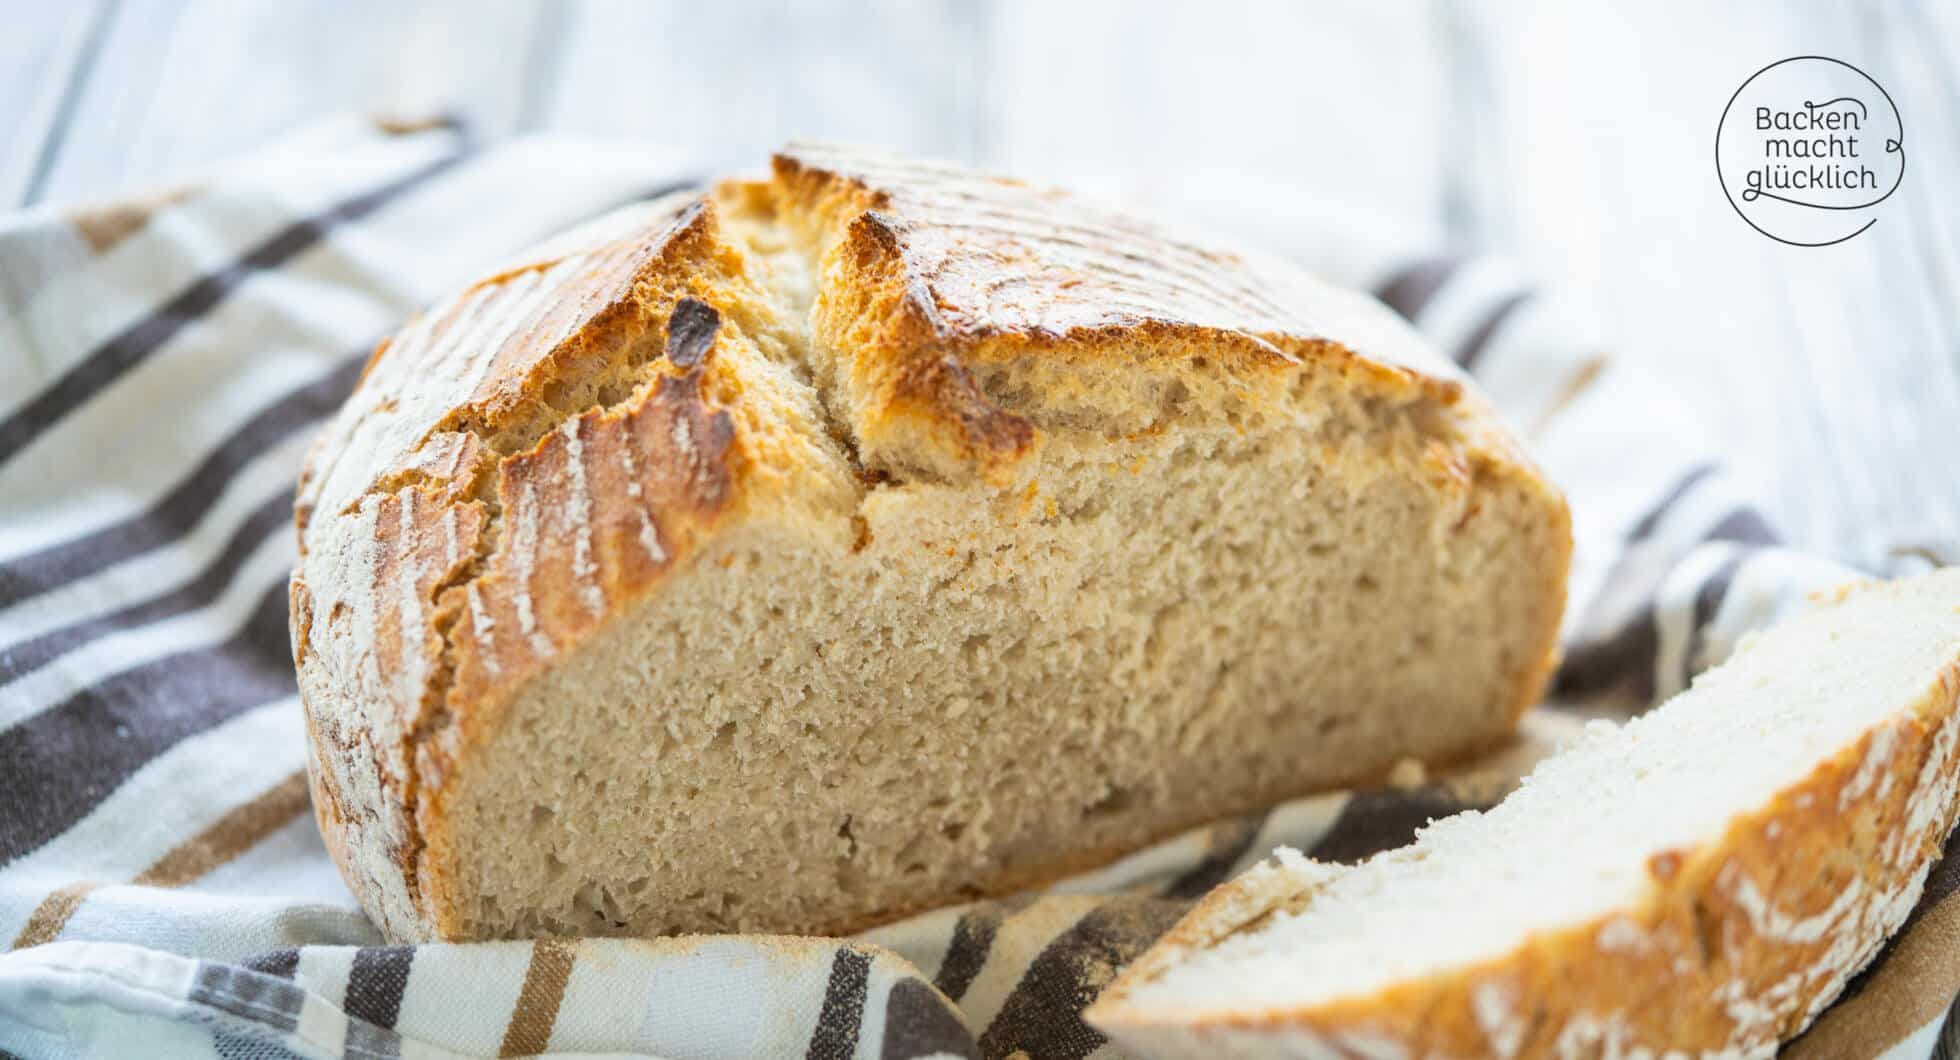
x=1701, y=881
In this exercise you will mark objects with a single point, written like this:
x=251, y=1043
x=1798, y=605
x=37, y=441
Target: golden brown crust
x=983, y=433
x=458, y=560
x=984, y=257
x=1742, y=942
x=932, y=273
x=492, y=494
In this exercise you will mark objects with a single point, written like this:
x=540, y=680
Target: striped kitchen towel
x=163, y=362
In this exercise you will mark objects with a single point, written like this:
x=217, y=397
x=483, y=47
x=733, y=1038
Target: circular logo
x=1807, y=149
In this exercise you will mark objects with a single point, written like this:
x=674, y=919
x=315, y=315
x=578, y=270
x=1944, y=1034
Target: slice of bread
x=1700, y=882
x=879, y=535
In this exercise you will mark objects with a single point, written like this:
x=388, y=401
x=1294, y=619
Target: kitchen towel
x=164, y=361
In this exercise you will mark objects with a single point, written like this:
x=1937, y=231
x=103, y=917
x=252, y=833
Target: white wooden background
x=1577, y=141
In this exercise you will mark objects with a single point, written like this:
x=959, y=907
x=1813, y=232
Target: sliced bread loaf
x=824, y=547
x=1699, y=882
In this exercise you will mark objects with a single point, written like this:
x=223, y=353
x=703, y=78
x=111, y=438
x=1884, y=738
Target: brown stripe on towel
x=48, y=918
x=230, y=835
x=536, y=1013
x=102, y=227
x=408, y=124
x=1575, y=384
x=219, y=842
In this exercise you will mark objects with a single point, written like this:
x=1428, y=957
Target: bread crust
x=484, y=504
x=444, y=595
x=966, y=270
x=1737, y=947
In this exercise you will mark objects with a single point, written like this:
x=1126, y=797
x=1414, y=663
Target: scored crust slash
x=877, y=535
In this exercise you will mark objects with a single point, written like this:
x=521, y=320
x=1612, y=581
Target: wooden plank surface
x=1577, y=141
x=734, y=81
x=177, y=86
x=1833, y=373
x=1259, y=118
x=46, y=56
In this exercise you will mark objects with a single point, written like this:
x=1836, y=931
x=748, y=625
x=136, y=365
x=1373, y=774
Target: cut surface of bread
x=1701, y=881
x=824, y=548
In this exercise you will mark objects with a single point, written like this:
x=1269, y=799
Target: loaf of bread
x=1701, y=882
x=876, y=535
